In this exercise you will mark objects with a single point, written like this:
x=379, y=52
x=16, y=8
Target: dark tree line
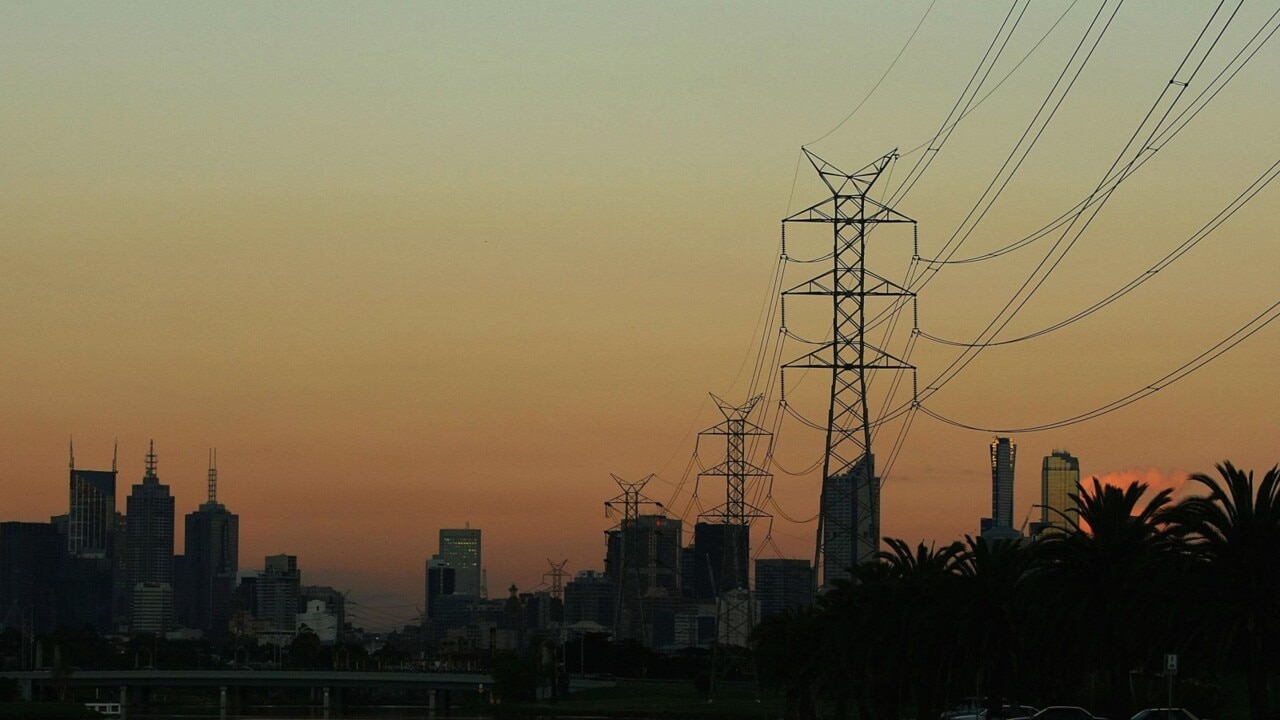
x=1080, y=617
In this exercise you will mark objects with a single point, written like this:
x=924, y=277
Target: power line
x=875, y=87
x=1182, y=249
x=1244, y=332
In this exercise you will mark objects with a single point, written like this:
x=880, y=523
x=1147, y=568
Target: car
x=1006, y=712
x=1011, y=712
x=966, y=708
x=1165, y=714
x=1065, y=712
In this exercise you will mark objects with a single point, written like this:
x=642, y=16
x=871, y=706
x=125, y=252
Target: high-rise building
x=460, y=550
x=212, y=559
x=1059, y=475
x=441, y=580
x=590, y=597
x=783, y=584
x=279, y=593
x=149, y=523
x=91, y=521
x=152, y=608
x=850, y=507
x=712, y=542
x=1000, y=524
x=30, y=560
x=648, y=549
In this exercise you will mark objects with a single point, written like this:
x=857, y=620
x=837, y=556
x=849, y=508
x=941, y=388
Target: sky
x=414, y=265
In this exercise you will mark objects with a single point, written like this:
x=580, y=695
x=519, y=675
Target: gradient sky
x=409, y=265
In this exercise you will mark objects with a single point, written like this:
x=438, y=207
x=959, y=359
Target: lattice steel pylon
x=629, y=622
x=555, y=579
x=849, y=514
x=735, y=609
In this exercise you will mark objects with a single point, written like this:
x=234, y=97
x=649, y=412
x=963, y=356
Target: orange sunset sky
x=410, y=265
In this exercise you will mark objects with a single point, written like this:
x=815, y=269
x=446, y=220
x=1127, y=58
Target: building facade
x=30, y=559
x=1003, y=459
x=589, y=598
x=460, y=550
x=149, y=524
x=783, y=584
x=279, y=592
x=1059, y=475
x=722, y=553
x=850, y=508
x=440, y=580
x=91, y=520
x=212, y=559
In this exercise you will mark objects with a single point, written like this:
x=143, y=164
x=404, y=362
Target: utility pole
x=735, y=609
x=849, y=514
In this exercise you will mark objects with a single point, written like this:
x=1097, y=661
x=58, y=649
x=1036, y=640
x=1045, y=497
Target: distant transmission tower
x=555, y=578
x=849, y=514
x=735, y=609
x=629, y=621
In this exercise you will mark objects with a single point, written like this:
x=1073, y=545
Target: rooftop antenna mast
x=849, y=513
x=151, y=463
x=213, y=476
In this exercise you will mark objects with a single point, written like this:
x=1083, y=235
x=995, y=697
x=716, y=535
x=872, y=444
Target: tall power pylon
x=555, y=578
x=735, y=611
x=849, y=514
x=629, y=621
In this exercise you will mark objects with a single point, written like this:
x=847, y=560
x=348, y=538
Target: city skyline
x=412, y=267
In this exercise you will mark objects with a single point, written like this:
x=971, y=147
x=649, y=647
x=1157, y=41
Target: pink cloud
x=1155, y=478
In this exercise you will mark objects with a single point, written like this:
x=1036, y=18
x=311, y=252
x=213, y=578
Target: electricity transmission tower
x=849, y=514
x=555, y=578
x=735, y=610
x=629, y=609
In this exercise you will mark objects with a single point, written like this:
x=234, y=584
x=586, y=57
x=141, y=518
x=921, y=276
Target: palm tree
x=992, y=610
x=1235, y=530
x=923, y=613
x=1107, y=567
x=862, y=647
x=786, y=653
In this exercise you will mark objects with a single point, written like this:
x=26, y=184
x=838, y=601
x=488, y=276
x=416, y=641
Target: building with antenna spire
x=93, y=582
x=149, y=521
x=91, y=520
x=211, y=559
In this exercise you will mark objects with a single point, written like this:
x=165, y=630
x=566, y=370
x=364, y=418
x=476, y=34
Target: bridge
x=327, y=688
x=235, y=687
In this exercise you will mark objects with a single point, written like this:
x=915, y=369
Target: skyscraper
x=212, y=557
x=1003, y=456
x=441, y=580
x=783, y=584
x=850, y=507
x=1059, y=475
x=91, y=522
x=29, y=565
x=279, y=592
x=460, y=550
x=149, y=524
x=711, y=543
